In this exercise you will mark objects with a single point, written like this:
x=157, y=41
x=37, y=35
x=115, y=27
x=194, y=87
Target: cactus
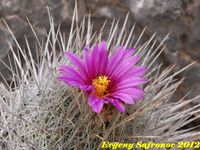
x=40, y=112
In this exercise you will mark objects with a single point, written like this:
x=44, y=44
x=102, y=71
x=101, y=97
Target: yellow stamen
x=101, y=84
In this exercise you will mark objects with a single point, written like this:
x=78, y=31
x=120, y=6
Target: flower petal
x=94, y=61
x=75, y=83
x=135, y=71
x=128, y=83
x=96, y=103
x=117, y=104
x=77, y=62
x=97, y=107
x=134, y=92
x=115, y=60
x=72, y=73
x=124, y=97
x=129, y=52
x=103, y=57
x=88, y=64
x=123, y=68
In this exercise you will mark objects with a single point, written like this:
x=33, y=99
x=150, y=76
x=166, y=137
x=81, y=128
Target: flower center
x=101, y=86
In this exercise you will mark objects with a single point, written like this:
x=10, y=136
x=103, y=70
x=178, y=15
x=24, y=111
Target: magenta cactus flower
x=114, y=79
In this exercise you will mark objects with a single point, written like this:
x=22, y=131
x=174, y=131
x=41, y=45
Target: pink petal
x=70, y=79
x=94, y=61
x=115, y=60
x=97, y=107
x=134, y=92
x=124, y=97
x=77, y=62
x=124, y=67
x=135, y=71
x=75, y=83
x=117, y=104
x=103, y=57
x=130, y=82
x=71, y=72
x=85, y=87
x=95, y=103
x=129, y=52
x=88, y=65
x=92, y=100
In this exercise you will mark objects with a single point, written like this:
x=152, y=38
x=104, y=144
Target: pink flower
x=108, y=79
